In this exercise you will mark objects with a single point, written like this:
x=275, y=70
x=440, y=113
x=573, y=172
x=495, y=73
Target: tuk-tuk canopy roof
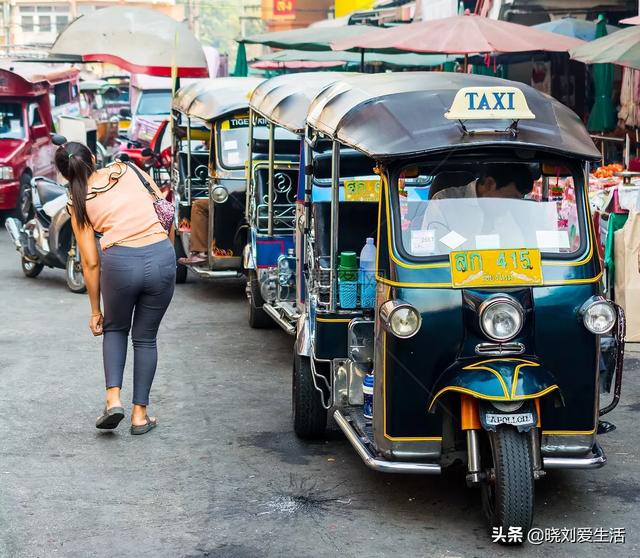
x=212, y=99
x=285, y=99
x=403, y=114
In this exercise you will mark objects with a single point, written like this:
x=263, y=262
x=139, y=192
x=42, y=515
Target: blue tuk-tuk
x=275, y=194
x=483, y=344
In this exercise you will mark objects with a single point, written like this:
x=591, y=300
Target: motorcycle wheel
x=24, y=209
x=75, y=277
x=508, y=492
x=31, y=269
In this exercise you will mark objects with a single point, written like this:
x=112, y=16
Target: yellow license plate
x=496, y=268
x=124, y=124
x=362, y=190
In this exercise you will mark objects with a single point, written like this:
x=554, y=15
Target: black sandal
x=110, y=418
x=144, y=428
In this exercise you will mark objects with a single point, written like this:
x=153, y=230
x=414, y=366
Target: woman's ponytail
x=74, y=161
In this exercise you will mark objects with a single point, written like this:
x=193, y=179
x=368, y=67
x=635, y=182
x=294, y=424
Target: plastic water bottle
x=348, y=280
x=367, y=278
x=367, y=391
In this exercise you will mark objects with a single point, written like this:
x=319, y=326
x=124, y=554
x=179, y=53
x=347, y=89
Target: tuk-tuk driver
x=199, y=233
x=508, y=180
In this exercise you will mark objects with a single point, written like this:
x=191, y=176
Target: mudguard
x=496, y=379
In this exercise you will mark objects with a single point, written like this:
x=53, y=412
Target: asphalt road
x=223, y=474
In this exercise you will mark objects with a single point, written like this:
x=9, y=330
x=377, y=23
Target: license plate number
x=516, y=419
x=486, y=268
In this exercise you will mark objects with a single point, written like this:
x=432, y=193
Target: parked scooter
x=47, y=239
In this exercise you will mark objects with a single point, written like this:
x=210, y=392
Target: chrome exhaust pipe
x=14, y=227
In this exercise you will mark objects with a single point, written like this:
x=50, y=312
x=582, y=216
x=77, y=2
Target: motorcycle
x=47, y=239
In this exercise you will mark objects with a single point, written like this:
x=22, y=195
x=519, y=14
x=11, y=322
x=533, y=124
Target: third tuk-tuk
x=483, y=345
x=275, y=194
x=210, y=126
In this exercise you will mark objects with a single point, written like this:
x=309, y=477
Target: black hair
x=507, y=173
x=75, y=162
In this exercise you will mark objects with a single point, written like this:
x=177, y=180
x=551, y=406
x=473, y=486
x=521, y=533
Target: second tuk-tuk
x=275, y=195
x=210, y=126
x=483, y=344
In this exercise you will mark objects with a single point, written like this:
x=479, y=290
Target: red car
x=30, y=98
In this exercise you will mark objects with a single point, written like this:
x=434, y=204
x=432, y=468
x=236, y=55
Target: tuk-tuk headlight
x=501, y=318
x=598, y=315
x=400, y=318
x=219, y=194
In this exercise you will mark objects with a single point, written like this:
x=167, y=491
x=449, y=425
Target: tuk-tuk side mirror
x=147, y=152
x=39, y=131
x=58, y=139
x=125, y=112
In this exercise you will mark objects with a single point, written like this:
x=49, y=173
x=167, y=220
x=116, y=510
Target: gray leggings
x=136, y=283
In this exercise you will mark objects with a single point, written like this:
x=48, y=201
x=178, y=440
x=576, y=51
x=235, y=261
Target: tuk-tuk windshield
x=11, y=121
x=491, y=206
x=154, y=103
x=234, y=140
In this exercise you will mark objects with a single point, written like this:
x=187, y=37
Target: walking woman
x=134, y=271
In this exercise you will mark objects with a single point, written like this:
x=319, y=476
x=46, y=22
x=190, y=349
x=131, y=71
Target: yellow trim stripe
x=569, y=432
x=384, y=403
x=334, y=320
x=489, y=397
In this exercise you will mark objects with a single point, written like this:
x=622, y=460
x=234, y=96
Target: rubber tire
x=181, y=270
x=25, y=189
x=309, y=416
x=33, y=269
x=70, y=285
x=510, y=501
x=258, y=318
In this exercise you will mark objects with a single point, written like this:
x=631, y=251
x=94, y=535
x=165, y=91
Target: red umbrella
x=463, y=34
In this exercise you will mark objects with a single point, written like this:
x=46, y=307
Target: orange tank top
x=120, y=207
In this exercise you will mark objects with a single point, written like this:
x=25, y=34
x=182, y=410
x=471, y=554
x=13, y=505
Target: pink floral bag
x=165, y=210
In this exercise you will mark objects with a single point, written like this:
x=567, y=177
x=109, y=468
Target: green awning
x=602, y=117
x=241, y=68
x=308, y=38
x=408, y=60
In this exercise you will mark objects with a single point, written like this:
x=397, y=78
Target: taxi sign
x=488, y=103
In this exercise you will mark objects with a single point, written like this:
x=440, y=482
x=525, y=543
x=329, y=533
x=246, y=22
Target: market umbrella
x=406, y=60
x=573, y=27
x=462, y=34
x=137, y=39
x=602, y=116
x=241, y=69
x=631, y=20
x=621, y=47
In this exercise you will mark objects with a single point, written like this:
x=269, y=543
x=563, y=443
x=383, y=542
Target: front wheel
x=31, y=269
x=75, y=277
x=181, y=270
x=309, y=416
x=508, y=491
x=258, y=318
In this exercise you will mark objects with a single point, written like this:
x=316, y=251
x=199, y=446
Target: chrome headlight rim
x=389, y=308
x=223, y=197
x=590, y=305
x=493, y=301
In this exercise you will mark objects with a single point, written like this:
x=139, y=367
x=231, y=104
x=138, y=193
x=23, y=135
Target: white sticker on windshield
x=453, y=240
x=553, y=239
x=16, y=125
x=230, y=145
x=423, y=243
x=233, y=157
x=487, y=241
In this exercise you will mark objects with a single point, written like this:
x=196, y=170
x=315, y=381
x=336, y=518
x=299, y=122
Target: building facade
x=280, y=15
x=38, y=22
